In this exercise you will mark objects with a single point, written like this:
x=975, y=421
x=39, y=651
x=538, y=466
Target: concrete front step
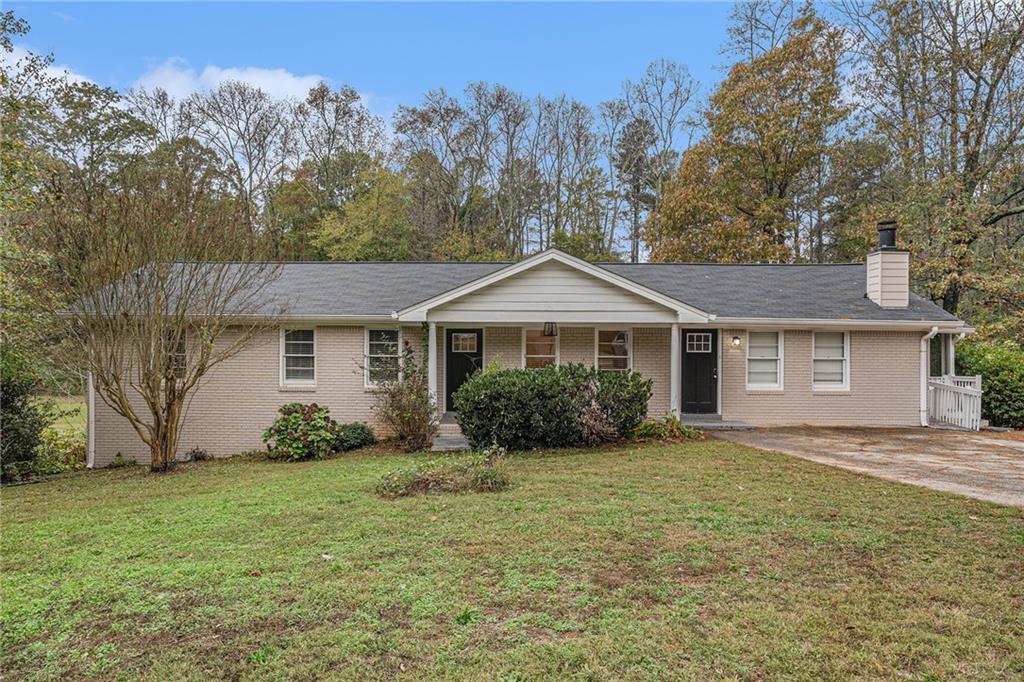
x=450, y=444
x=719, y=425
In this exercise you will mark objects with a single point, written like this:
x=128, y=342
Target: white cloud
x=53, y=70
x=180, y=80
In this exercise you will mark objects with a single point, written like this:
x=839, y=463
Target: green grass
x=71, y=412
x=703, y=560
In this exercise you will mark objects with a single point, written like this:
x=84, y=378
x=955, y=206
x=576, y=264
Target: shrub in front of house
x=668, y=429
x=1001, y=367
x=352, y=436
x=309, y=432
x=563, y=406
x=483, y=473
x=405, y=406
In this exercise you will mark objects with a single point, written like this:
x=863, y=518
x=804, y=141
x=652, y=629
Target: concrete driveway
x=988, y=466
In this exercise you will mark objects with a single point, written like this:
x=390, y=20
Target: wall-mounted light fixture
x=735, y=342
x=550, y=329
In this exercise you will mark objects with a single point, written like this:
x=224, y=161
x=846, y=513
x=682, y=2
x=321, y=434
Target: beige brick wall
x=239, y=398
x=576, y=344
x=651, y=348
x=884, y=383
x=504, y=345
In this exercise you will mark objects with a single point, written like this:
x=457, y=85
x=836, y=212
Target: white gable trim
x=685, y=312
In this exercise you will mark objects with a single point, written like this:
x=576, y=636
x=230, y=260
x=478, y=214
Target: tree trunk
x=163, y=446
x=951, y=299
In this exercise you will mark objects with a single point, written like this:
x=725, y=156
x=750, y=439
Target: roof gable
x=553, y=282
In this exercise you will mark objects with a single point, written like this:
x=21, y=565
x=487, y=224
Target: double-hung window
x=613, y=350
x=174, y=353
x=539, y=350
x=382, y=356
x=830, y=358
x=764, y=360
x=298, y=356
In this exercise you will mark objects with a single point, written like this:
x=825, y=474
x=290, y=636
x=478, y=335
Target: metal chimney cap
x=887, y=234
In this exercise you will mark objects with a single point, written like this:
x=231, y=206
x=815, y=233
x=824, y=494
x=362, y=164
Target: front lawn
x=685, y=561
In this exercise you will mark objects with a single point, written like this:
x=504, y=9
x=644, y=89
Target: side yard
x=707, y=559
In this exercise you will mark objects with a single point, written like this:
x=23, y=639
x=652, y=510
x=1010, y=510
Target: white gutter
x=806, y=323
x=924, y=374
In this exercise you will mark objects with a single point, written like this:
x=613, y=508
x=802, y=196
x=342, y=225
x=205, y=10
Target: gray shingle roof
x=775, y=291
x=763, y=291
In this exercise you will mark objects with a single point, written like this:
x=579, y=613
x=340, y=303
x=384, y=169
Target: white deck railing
x=955, y=401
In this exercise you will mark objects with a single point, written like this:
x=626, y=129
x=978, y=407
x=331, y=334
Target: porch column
x=432, y=360
x=950, y=359
x=676, y=382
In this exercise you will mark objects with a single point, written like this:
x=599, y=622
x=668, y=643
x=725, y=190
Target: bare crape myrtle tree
x=172, y=286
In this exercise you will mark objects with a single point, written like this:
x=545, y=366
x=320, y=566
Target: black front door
x=463, y=355
x=700, y=370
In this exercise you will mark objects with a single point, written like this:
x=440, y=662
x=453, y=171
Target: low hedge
x=1001, y=367
x=564, y=406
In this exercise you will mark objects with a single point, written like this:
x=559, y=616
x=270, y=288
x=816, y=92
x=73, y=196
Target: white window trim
x=686, y=342
x=780, y=386
x=597, y=345
x=558, y=345
x=475, y=336
x=281, y=363
x=366, y=353
x=827, y=388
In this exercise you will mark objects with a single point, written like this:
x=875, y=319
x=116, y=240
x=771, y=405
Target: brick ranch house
x=760, y=344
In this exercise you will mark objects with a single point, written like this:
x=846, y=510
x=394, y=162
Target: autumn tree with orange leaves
x=768, y=125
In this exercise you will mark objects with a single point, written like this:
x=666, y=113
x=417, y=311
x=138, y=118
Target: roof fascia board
x=418, y=312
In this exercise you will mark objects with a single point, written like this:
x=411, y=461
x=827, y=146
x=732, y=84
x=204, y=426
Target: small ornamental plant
x=668, y=429
x=301, y=432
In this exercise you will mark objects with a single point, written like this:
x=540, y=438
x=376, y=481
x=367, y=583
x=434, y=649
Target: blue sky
x=392, y=53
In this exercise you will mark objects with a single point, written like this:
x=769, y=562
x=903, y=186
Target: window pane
x=302, y=348
x=534, y=362
x=764, y=345
x=829, y=345
x=763, y=371
x=612, y=349
x=540, y=349
x=612, y=342
x=305, y=335
x=383, y=369
x=298, y=374
x=613, y=364
x=828, y=371
x=298, y=361
x=383, y=349
x=384, y=335
x=464, y=343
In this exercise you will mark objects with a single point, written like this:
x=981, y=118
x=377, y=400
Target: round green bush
x=1001, y=367
x=308, y=432
x=352, y=436
x=22, y=417
x=563, y=406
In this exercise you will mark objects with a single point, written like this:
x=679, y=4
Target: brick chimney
x=888, y=270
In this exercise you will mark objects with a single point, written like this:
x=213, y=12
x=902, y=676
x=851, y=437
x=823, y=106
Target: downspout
x=90, y=421
x=924, y=374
